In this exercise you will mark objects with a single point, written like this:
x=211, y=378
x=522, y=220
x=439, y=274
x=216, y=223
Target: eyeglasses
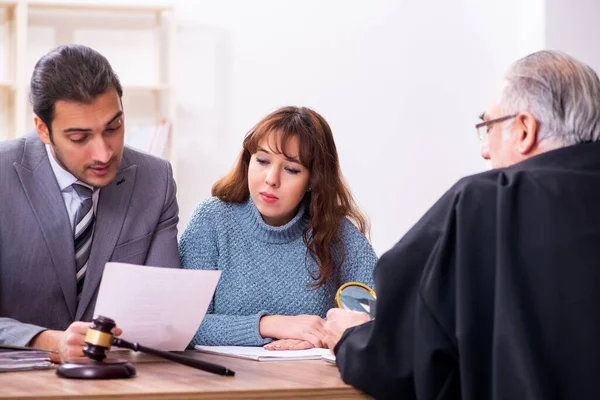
x=483, y=128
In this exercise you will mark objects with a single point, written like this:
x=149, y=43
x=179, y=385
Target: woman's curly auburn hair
x=329, y=200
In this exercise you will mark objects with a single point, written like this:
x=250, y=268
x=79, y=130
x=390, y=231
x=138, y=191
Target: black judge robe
x=494, y=293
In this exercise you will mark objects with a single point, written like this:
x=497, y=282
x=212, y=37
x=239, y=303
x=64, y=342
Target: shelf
x=5, y=85
x=143, y=87
x=122, y=6
x=126, y=87
x=8, y=3
x=14, y=90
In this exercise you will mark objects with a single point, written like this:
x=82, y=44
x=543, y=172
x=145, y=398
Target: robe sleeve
x=391, y=356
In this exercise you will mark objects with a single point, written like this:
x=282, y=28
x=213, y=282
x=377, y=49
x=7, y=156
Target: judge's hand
x=301, y=327
x=338, y=321
x=67, y=345
x=289, y=344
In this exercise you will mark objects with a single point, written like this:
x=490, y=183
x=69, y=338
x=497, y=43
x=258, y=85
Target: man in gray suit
x=72, y=198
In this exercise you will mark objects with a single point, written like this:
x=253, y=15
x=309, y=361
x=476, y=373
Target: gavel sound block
x=99, y=339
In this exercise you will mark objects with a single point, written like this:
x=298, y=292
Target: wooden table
x=158, y=379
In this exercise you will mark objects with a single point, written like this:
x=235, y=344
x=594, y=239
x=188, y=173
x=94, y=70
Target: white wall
x=572, y=26
x=400, y=82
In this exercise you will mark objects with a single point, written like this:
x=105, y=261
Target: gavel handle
x=178, y=358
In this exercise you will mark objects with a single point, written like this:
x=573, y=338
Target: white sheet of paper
x=156, y=307
x=330, y=358
x=261, y=354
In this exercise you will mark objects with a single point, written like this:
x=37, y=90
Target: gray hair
x=562, y=94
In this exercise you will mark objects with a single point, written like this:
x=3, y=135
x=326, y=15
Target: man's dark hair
x=70, y=72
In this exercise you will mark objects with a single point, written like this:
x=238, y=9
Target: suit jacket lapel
x=112, y=208
x=43, y=193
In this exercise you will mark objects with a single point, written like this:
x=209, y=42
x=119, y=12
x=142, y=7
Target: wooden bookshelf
x=15, y=86
x=91, y=5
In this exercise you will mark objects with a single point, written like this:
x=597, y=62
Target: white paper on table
x=156, y=307
x=262, y=354
x=330, y=358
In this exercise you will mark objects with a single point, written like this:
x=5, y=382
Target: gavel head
x=99, y=338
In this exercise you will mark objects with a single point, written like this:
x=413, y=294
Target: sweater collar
x=252, y=221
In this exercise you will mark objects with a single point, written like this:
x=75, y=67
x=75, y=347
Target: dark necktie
x=83, y=232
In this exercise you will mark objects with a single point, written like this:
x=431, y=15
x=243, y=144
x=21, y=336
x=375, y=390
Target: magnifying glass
x=356, y=296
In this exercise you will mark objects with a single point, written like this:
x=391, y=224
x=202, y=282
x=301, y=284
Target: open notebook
x=18, y=358
x=260, y=354
x=330, y=358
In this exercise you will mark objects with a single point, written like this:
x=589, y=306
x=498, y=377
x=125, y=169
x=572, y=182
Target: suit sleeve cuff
x=30, y=333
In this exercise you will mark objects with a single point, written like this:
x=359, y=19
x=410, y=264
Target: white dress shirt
x=65, y=181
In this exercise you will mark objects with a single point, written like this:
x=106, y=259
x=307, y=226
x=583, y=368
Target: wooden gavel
x=99, y=339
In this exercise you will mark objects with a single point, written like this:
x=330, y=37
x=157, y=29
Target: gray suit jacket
x=136, y=222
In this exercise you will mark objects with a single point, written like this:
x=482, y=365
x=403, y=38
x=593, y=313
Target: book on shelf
x=149, y=138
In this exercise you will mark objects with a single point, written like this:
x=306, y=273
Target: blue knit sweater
x=263, y=269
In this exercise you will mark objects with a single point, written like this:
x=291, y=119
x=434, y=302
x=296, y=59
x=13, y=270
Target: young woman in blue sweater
x=279, y=229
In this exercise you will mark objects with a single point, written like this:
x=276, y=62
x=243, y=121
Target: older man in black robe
x=495, y=292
